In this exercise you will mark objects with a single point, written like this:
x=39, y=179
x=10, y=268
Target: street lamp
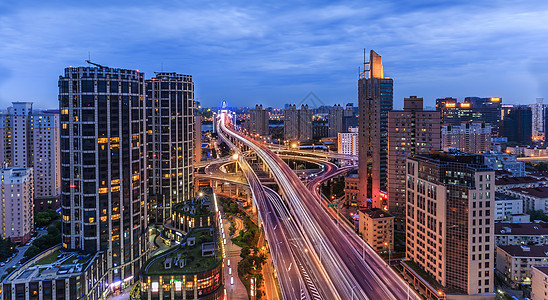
x=388, y=247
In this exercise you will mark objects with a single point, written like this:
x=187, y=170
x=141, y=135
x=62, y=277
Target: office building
x=517, y=122
x=377, y=228
x=17, y=218
x=504, y=162
x=515, y=262
x=537, y=115
x=412, y=130
x=258, y=121
x=103, y=166
x=375, y=100
x=30, y=139
x=336, y=120
x=297, y=123
x=471, y=137
x=450, y=219
x=472, y=109
x=347, y=142
x=171, y=145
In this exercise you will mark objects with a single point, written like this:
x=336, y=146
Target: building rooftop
x=543, y=269
x=539, y=174
x=501, y=196
x=526, y=251
x=537, y=192
x=376, y=213
x=508, y=180
x=502, y=173
x=521, y=228
x=191, y=256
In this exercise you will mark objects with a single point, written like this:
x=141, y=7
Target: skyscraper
x=16, y=196
x=259, y=121
x=30, y=139
x=450, y=220
x=336, y=120
x=170, y=125
x=538, y=111
x=374, y=102
x=517, y=122
x=410, y=131
x=487, y=110
x=103, y=166
x=297, y=123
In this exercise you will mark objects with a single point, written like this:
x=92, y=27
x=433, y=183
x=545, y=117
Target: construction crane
x=92, y=63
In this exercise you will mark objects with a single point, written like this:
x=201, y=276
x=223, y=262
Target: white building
x=516, y=261
x=506, y=206
x=17, y=218
x=347, y=142
x=504, y=161
x=521, y=233
x=31, y=139
x=533, y=198
x=538, y=119
x=539, y=283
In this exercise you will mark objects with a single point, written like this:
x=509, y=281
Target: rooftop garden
x=195, y=207
x=195, y=262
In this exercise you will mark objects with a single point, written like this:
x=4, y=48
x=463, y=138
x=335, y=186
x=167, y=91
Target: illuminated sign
x=450, y=104
x=155, y=287
x=465, y=104
x=178, y=286
x=495, y=99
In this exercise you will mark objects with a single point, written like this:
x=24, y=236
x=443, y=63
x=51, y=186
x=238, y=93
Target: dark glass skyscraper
x=517, y=124
x=103, y=171
x=375, y=100
x=170, y=125
x=487, y=110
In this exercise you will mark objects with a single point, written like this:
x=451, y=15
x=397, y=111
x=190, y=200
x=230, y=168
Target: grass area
x=49, y=259
x=195, y=262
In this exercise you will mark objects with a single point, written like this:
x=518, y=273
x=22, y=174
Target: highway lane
x=340, y=255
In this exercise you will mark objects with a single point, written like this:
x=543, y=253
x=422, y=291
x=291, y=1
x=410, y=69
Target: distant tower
x=374, y=102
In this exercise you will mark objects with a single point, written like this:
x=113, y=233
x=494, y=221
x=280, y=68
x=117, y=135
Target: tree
x=538, y=215
x=32, y=251
x=7, y=249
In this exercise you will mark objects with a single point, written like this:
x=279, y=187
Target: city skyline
x=250, y=54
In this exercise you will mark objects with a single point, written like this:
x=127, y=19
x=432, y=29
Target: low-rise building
x=377, y=228
x=514, y=262
x=195, y=212
x=533, y=198
x=506, y=206
x=504, y=161
x=519, y=218
x=186, y=271
x=509, y=182
x=351, y=189
x=17, y=207
x=56, y=274
x=521, y=234
x=539, y=283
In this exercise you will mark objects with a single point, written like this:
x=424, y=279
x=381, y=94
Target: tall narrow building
x=450, y=223
x=412, y=130
x=259, y=121
x=375, y=100
x=30, y=139
x=335, y=120
x=103, y=166
x=297, y=123
x=170, y=124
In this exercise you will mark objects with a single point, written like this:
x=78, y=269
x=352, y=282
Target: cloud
x=280, y=51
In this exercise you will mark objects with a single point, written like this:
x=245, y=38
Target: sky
x=277, y=52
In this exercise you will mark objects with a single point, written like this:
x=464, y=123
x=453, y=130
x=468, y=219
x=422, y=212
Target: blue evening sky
x=276, y=52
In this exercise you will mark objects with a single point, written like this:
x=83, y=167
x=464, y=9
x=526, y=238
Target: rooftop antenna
x=98, y=65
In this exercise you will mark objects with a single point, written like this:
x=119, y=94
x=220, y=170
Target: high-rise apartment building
x=517, y=124
x=350, y=118
x=197, y=138
x=17, y=217
x=297, y=123
x=412, y=130
x=472, y=137
x=375, y=100
x=487, y=110
x=450, y=219
x=103, y=166
x=30, y=139
x=335, y=120
x=259, y=121
x=170, y=125
x=538, y=111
